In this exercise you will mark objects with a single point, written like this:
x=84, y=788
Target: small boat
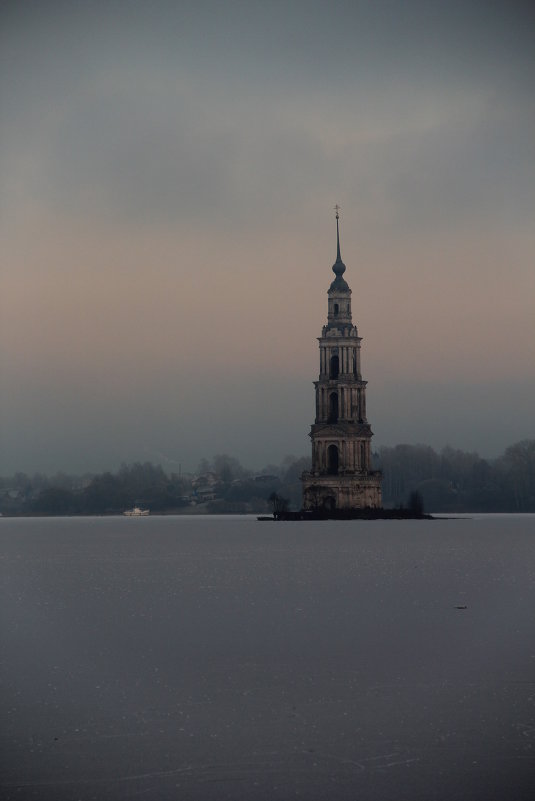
x=137, y=512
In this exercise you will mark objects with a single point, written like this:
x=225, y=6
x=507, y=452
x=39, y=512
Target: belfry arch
x=332, y=460
x=333, y=407
x=334, y=367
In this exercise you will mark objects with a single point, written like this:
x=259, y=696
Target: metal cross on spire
x=337, y=209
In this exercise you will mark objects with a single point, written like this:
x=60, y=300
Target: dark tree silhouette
x=280, y=505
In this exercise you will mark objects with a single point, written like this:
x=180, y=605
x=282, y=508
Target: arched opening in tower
x=332, y=460
x=333, y=407
x=329, y=503
x=334, y=367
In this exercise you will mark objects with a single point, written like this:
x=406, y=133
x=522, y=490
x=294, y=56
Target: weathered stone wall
x=341, y=492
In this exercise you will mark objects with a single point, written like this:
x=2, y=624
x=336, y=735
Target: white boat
x=137, y=512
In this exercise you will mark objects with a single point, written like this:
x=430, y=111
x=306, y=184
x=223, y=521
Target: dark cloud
x=300, y=40
x=478, y=166
x=153, y=114
x=123, y=152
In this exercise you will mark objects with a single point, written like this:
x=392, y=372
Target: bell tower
x=341, y=477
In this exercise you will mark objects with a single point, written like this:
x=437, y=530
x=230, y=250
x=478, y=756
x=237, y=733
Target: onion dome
x=339, y=267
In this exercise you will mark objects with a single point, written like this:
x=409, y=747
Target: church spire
x=337, y=210
x=342, y=476
x=339, y=267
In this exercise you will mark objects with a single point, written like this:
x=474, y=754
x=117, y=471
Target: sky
x=168, y=172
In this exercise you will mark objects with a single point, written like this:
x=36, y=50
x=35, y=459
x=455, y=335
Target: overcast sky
x=168, y=172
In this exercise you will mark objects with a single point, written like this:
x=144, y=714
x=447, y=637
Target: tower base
x=341, y=491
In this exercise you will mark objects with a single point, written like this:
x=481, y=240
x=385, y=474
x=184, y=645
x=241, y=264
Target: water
x=202, y=658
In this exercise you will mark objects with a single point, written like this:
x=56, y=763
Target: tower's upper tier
x=339, y=306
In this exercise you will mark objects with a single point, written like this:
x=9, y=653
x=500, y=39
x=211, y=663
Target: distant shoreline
x=356, y=514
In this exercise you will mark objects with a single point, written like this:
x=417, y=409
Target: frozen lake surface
x=211, y=658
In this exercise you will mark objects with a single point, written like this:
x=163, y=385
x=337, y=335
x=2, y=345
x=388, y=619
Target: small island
x=369, y=513
x=414, y=511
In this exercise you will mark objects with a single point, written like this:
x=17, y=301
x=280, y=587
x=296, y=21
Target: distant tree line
x=457, y=481
x=236, y=489
x=105, y=493
x=449, y=481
